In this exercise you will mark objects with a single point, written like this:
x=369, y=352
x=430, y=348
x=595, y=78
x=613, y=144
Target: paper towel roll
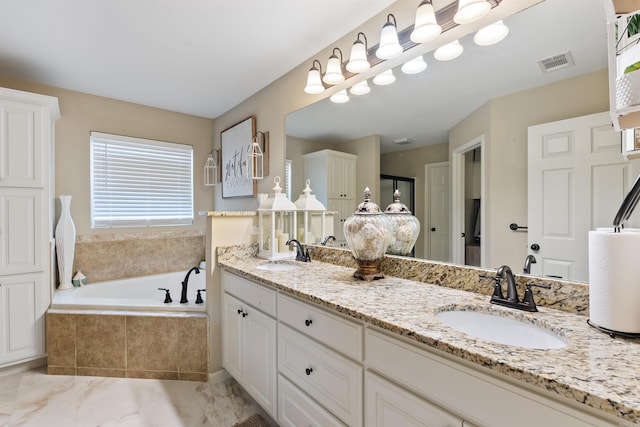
x=614, y=280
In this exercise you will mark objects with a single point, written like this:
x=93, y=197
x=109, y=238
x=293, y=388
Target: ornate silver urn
x=368, y=236
x=404, y=227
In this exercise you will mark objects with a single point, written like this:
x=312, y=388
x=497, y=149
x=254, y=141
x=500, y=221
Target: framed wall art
x=235, y=142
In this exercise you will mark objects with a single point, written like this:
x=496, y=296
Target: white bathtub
x=138, y=293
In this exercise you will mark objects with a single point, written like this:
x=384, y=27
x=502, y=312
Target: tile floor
x=35, y=399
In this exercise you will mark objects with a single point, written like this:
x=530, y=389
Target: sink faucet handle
x=199, y=299
x=497, y=289
x=528, y=295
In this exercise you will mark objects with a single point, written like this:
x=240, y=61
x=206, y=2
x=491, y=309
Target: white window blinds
x=139, y=182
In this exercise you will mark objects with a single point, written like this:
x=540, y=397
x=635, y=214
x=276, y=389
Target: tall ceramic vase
x=65, y=243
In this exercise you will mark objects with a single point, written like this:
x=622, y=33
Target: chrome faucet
x=185, y=282
x=527, y=264
x=504, y=272
x=302, y=254
x=327, y=239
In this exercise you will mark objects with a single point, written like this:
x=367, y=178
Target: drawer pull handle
x=308, y=322
x=308, y=371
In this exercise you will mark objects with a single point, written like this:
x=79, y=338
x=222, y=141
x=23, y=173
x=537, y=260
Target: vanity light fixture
x=334, y=74
x=471, y=10
x=389, y=46
x=414, y=66
x=491, y=34
x=340, y=97
x=211, y=168
x=449, y=51
x=358, y=62
x=255, y=166
x=384, y=78
x=314, y=81
x=360, y=88
x=426, y=27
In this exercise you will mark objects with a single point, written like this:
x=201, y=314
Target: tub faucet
x=527, y=264
x=183, y=297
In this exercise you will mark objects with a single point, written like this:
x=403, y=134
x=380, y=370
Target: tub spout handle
x=199, y=299
x=167, y=295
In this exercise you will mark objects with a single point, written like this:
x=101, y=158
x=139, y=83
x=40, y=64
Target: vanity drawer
x=252, y=293
x=338, y=333
x=296, y=409
x=328, y=377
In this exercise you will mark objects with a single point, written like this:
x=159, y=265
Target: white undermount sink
x=277, y=266
x=501, y=329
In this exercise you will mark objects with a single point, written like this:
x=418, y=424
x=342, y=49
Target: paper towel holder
x=628, y=205
x=613, y=333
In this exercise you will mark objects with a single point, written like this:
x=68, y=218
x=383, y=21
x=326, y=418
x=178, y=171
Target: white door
x=232, y=337
x=20, y=230
x=436, y=224
x=577, y=179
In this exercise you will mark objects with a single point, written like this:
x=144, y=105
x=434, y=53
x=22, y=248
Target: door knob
x=535, y=247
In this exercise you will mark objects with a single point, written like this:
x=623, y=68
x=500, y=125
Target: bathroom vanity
x=333, y=350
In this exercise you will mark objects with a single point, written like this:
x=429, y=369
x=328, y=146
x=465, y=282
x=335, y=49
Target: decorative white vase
x=65, y=243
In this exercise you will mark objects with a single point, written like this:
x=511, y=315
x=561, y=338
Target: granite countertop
x=594, y=369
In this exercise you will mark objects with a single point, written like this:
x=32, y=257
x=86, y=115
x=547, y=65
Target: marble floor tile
x=35, y=399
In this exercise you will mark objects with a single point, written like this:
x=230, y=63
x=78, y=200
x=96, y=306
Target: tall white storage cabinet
x=26, y=221
x=333, y=180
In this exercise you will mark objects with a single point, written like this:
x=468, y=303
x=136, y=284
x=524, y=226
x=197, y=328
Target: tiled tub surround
x=160, y=345
x=120, y=255
x=593, y=370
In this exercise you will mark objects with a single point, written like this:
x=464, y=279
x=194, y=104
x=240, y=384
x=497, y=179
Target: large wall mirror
x=551, y=66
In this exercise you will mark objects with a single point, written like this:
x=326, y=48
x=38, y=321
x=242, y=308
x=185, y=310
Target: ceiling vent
x=556, y=62
x=403, y=141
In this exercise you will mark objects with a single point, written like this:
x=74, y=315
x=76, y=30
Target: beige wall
x=410, y=164
x=504, y=123
x=82, y=113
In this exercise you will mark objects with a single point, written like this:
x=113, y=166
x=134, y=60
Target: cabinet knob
x=308, y=322
x=239, y=311
x=308, y=371
x=245, y=314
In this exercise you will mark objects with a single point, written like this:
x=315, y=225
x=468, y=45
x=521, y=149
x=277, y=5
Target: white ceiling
x=199, y=57
x=425, y=106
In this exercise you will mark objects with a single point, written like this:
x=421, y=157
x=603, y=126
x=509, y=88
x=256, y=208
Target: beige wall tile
x=157, y=375
x=101, y=372
x=193, y=376
x=61, y=339
x=152, y=343
x=101, y=341
x=193, y=345
x=61, y=370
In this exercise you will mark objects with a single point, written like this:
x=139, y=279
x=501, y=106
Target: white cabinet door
x=387, y=405
x=20, y=229
x=249, y=340
x=232, y=339
x=260, y=356
x=21, y=321
x=341, y=177
x=296, y=409
x=345, y=209
x=20, y=144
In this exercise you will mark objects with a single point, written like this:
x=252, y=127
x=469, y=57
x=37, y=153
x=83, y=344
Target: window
x=139, y=182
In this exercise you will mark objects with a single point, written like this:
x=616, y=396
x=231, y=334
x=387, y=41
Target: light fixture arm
x=333, y=53
x=389, y=16
x=313, y=66
x=366, y=43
